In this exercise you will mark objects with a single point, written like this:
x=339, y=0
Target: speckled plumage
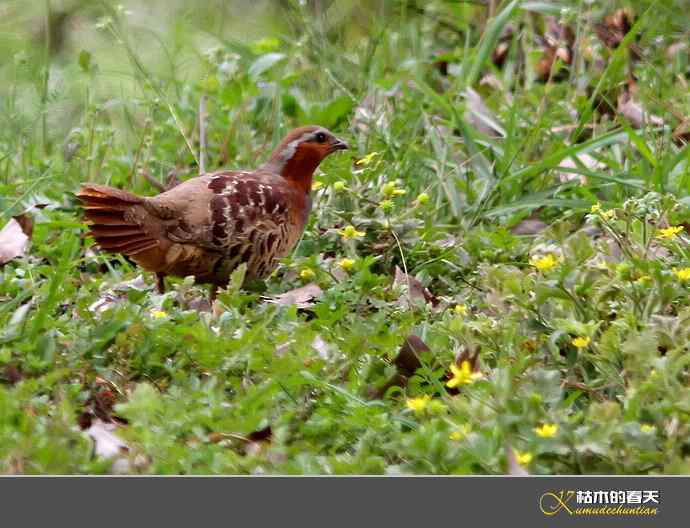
x=209, y=225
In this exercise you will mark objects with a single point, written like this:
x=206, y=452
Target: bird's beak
x=338, y=144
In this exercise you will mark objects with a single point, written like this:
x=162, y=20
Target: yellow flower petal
x=670, y=232
x=545, y=263
x=366, y=160
x=523, y=458
x=460, y=309
x=581, y=342
x=307, y=274
x=347, y=264
x=546, y=430
x=461, y=432
x=418, y=404
x=682, y=274
x=349, y=232
x=462, y=375
x=158, y=314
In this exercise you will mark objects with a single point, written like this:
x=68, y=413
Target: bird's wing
x=241, y=215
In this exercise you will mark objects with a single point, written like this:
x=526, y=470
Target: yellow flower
x=339, y=185
x=462, y=375
x=523, y=458
x=460, y=309
x=349, y=232
x=544, y=263
x=461, y=432
x=158, y=314
x=347, y=264
x=606, y=215
x=316, y=185
x=546, y=430
x=418, y=404
x=670, y=232
x=386, y=204
x=682, y=274
x=366, y=160
x=307, y=274
x=643, y=279
x=581, y=342
x=423, y=198
x=390, y=189
x=647, y=429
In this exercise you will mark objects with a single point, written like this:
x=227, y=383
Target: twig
x=202, y=134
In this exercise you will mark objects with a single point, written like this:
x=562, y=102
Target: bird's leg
x=160, y=282
x=214, y=292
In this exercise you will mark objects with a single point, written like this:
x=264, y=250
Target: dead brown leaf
x=613, y=29
x=416, y=292
x=500, y=52
x=557, y=44
x=117, y=293
x=529, y=226
x=514, y=467
x=105, y=442
x=479, y=115
x=303, y=297
x=12, y=374
x=407, y=362
x=676, y=48
x=634, y=112
x=681, y=134
x=372, y=112
x=586, y=160
x=13, y=241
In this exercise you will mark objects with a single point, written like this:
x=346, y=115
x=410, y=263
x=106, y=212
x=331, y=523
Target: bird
x=211, y=224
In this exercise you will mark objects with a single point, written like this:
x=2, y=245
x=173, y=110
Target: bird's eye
x=320, y=137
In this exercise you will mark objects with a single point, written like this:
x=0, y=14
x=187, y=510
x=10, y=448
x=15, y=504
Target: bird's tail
x=113, y=219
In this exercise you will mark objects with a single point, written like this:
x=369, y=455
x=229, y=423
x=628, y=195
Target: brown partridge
x=209, y=225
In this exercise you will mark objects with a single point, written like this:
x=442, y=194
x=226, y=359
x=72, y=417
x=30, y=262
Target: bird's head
x=299, y=154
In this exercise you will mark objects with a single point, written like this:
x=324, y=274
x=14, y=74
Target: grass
x=566, y=294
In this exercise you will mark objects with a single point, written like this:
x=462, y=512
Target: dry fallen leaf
x=323, y=349
x=558, y=44
x=372, y=112
x=117, y=293
x=514, y=467
x=681, y=134
x=635, y=113
x=415, y=289
x=106, y=443
x=13, y=241
x=303, y=297
x=674, y=49
x=613, y=29
x=407, y=362
x=500, y=52
x=11, y=374
x=479, y=115
x=586, y=160
x=529, y=226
